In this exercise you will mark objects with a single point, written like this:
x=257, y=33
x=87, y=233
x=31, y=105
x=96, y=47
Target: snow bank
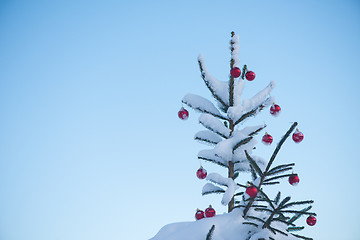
x=228, y=226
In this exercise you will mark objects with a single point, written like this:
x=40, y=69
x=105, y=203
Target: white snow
x=208, y=136
x=214, y=124
x=248, y=105
x=210, y=154
x=209, y=187
x=224, y=149
x=238, y=90
x=220, y=88
x=200, y=104
x=228, y=226
x=228, y=182
x=236, y=50
x=251, y=129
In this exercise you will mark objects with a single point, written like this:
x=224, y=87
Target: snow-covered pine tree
x=252, y=214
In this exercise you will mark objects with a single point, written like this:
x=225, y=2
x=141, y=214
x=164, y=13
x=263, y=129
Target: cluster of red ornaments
x=235, y=72
x=209, y=212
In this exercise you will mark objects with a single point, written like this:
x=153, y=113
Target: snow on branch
x=256, y=100
x=238, y=90
x=219, y=89
x=228, y=182
x=207, y=137
x=202, y=104
x=235, y=49
x=210, y=188
x=255, y=111
x=225, y=149
x=253, y=130
x=214, y=124
x=250, y=107
x=209, y=155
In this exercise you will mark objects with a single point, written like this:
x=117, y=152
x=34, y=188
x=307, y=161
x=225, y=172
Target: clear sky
x=90, y=143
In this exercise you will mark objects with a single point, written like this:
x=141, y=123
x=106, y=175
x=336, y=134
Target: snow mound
x=228, y=226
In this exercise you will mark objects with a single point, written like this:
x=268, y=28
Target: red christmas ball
x=183, y=114
x=311, y=220
x=294, y=180
x=250, y=75
x=201, y=173
x=199, y=214
x=267, y=139
x=251, y=191
x=297, y=136
x=235, y=72
x=275, y=109
x=209, y=212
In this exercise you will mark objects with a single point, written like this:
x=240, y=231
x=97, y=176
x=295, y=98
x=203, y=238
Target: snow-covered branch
x=235, y=50
x=250, y=107
x=253, y=130
x=207, y=137
x=218, y=89
x=201, y=104
x=209, y=155
x=210, y=188
x=225, y=149
x=214, y=124
x=228, y=182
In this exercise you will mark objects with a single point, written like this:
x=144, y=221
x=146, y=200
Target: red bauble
x=201, y=173
x=183, y=114
x=294, y=180
x=275, y=109
x=250, y=75
x=235, y=72
x=209, y=212
x=267, y=139
x=251, y=191
x=311, y=220
x=297, y=136
x=199, y=214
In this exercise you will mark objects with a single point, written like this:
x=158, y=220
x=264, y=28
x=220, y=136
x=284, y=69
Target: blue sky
x=90, y=143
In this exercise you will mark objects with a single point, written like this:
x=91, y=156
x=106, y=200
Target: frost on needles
x=254, y=216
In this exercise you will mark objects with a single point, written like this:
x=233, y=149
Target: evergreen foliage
x=233, y=150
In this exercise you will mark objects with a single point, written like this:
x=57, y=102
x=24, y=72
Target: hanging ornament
x=199, y=214
x=209, y=212
x=250, y=75
x=294, y=180
x=183, y=113
x=235, y=72
x=267, y=139
x=311, y=220
x=275, y=109
x=297, y=136
x=201, y=173
x=251, y=191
